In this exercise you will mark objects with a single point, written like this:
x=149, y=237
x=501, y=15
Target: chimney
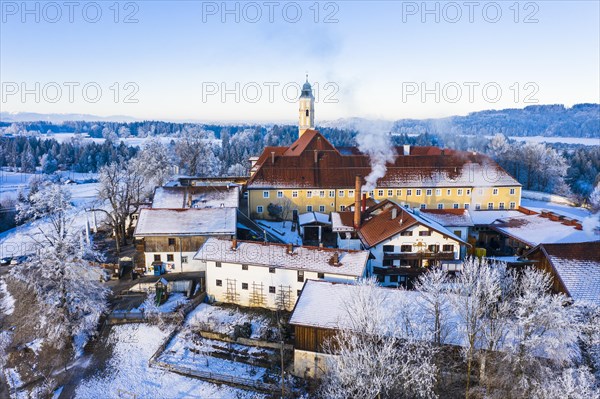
x=290, y=248
x=272, y=157
x=234, y=244
x=364, y=202
x=320, y=246
x=406, y=149
x=357, y=187
x=394, y=213
x=335, y=260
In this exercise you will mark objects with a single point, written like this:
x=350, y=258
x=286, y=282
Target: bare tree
x=122, y=190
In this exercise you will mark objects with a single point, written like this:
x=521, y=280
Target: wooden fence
x=215, y=377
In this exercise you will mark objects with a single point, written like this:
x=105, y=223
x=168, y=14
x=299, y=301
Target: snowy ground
x=278, y=229
x=7, y=302
x=224, y=319
x=128, y=375
x=175, y=300
x=200, y=355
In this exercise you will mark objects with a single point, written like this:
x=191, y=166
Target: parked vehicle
x=18, y=260
x=5, y=261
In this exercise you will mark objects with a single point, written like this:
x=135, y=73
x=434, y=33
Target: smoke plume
x=374, y=140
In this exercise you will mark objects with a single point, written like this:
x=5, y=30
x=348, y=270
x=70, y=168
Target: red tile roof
x=378, y=225
x=313, y=162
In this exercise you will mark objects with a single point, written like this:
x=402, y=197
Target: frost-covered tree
x=476, y=289
x=588, y=315
x=237, y=170
x=433, y=287
x=121, y=192
x=197, y=153
x=543, y=335
x=571, y=383
x=60, y=273
x=370, y=358
x=155, y=164
x=594, y=199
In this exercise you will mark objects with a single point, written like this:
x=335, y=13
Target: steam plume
x=374, y=140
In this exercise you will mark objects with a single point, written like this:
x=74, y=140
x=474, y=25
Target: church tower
x=306, y=104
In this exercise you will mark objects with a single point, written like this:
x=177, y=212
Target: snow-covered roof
x=186, y=222
x=342, y=221
x=321, y=260
x=578, y=267
x=449, y=217
x=537, y=229
x=196, y=197
x=324, y=304
x=313, y=217
x=486, y=217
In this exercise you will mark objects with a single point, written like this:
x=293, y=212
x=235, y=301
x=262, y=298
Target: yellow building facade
x=335, y=200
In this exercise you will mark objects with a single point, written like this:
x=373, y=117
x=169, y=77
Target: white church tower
x=306, y=104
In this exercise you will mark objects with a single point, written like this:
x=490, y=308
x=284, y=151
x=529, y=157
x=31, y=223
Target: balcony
x=419, y=255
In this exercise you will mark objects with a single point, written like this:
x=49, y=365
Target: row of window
x=381, y=193
x=300, y=273
x=272, y=288
x=170, y=258
x=490, y=205
x=408, y=248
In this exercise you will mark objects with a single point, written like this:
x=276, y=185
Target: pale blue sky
x=374, y=54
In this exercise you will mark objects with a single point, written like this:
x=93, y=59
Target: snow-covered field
x=552, y=140
x=131, y=141
x=21, y=240
x=284, y=232
x=12, y=182
x=128, y=375
x=223, y=320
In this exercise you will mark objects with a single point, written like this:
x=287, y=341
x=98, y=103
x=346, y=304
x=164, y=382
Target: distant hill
x=60, y=118
x=581, y=120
